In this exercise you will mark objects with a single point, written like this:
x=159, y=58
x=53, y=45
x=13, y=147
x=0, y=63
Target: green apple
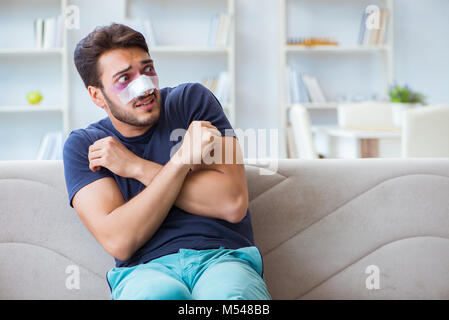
x=34, y=97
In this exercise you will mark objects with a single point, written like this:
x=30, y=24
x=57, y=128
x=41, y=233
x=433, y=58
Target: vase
x=398, y=112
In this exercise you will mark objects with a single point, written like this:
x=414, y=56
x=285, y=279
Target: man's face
x=117, y=69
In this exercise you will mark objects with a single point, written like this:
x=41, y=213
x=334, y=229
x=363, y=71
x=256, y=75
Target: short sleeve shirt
x=180, y=106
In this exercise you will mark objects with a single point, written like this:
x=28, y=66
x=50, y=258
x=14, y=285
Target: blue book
x=363, y=27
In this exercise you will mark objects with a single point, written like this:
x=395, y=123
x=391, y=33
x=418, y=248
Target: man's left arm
x=216, y=190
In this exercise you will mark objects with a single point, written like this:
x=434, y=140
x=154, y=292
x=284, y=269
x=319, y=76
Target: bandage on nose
x=138, y=87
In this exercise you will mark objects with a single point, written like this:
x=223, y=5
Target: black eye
x=123, y=79
x=148, y=69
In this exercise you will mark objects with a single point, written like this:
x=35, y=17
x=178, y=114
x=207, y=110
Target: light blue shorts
x=212, y=274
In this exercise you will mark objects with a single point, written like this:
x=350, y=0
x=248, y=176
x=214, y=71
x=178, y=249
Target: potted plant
x=403, y=98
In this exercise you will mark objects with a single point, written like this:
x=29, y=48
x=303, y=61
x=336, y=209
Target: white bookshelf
x=56, y=111
x=191, y=49
x=30, y=52
x=320, y=106
x=336, y=49
x=43, y=108
x=293, y=52
x=203, y=60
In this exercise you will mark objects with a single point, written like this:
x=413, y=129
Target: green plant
x=404, y=94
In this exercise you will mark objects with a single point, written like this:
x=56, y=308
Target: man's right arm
x=123, y=227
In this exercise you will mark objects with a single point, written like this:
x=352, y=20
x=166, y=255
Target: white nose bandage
x=138, y=87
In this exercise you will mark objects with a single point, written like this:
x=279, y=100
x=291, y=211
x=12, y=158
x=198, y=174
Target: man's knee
x=230, y=280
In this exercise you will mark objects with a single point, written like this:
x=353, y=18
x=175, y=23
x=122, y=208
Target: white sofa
x=318, y=223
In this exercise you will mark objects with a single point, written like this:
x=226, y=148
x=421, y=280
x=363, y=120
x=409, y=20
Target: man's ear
x=97, y=96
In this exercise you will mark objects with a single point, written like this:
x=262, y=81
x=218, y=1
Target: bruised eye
x=148, y=69
x=123, y=79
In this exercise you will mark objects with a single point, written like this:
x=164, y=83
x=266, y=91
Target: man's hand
x=123, y=227
x=113, y=155
x=198, y=142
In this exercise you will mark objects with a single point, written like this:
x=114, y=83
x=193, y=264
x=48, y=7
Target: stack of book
x=51, y=146
x=373, y=32
x=304, y=88
x=310, y=42
x=48, y=32
x=219, y=30
x=219, y=87
x=149, y=34
x=210, y=83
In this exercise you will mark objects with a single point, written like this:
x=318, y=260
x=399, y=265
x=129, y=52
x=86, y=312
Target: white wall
x=422, y=47
x=421, y=60
x=257, y=58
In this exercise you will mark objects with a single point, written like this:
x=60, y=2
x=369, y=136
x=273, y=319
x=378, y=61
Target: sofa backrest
x=328, y=229
x=42, y=241
x=320, y=225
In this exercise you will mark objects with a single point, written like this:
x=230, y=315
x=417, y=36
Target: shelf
x=30, y=51
x=17, y=114
x=336, y=49
x=316, y=105
x=329, y=105
x=358, y=132
x=30, y=108
x=188, y=49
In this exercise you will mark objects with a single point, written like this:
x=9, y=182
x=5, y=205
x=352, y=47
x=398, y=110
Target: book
x=218, y=37
x=38, y=32
x=51, y=146
x=362, y=28
x=149, y=33
x=49, y=33
x=293, y=86
x=56, y=153
x=213, y=30
x=302, y=89
x=225, y=30
x=288, y=85
x=314, y=90
x=373, y=36
x=219, y=30
x=59, y=31
x=219, y=86
x=296, y=89
x=145, y=27
x=221, y=91
x=45, y=147
x=384, y=17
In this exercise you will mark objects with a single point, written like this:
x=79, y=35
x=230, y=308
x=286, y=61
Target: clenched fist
x=197, y=143
x=113, y=155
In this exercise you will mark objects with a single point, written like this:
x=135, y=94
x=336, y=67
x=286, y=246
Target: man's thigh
x=150, y=284
x=230, y=280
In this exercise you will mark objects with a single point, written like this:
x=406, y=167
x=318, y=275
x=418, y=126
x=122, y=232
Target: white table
x=353, y=142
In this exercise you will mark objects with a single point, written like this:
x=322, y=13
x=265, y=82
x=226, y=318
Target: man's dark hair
x=102, y=39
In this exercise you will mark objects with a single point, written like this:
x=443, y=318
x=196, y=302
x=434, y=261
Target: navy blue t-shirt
x=180, y=106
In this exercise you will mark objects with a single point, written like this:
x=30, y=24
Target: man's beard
x=126, y=116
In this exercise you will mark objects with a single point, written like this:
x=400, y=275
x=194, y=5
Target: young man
x=177, y=229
